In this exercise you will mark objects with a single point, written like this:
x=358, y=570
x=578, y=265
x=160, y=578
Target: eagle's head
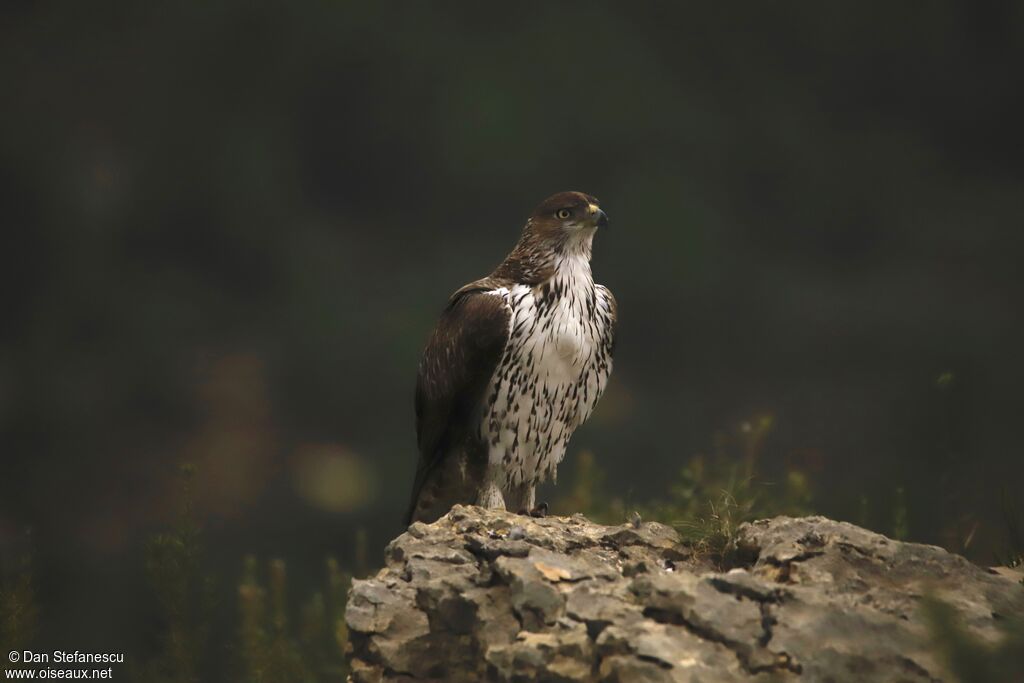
x=568, y=216
x=563, y=225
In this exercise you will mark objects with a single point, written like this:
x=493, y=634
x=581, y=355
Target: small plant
x=335, y=636
x=900, y=516
x=268, y=652
x=274, y=644
x=19, y=614
x=185, y=593
x=714, y=494
x=712, y=531
x=273, y=652
x=711, y=496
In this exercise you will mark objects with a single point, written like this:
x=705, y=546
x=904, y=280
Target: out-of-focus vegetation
x=272, y=649
x=272, y=639
x=969, y=659
x=186, y=595
x=18, y=607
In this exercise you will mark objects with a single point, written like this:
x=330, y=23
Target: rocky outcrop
x=484, y=595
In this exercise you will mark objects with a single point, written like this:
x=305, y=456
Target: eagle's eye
x=563, y=214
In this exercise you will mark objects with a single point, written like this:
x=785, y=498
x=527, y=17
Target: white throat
x=572, y=265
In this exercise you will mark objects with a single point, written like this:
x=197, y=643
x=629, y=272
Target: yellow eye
x=563, y=214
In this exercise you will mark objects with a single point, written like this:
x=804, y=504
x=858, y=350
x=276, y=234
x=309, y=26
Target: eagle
x=517, y=361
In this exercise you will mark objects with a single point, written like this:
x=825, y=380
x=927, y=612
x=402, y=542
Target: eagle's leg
x=521, y=497
x=490, y=492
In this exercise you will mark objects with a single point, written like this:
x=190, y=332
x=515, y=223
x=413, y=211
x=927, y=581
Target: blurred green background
x=229, y=227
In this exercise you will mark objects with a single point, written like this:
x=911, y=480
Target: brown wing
x=454, y=372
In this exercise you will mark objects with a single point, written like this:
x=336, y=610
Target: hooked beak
x=600, y=217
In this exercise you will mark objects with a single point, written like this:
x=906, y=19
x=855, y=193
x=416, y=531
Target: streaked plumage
x=516, y=363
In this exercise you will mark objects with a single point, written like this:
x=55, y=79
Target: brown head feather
x=561, y=220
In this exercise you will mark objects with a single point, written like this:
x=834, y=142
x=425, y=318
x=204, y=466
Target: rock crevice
x=484, y=595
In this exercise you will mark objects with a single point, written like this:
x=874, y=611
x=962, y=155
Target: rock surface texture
x=484, y=595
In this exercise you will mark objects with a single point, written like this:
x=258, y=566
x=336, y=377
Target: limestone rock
x=485, y=595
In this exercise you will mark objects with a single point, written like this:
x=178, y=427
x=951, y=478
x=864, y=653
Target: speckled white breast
x=553, y=371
